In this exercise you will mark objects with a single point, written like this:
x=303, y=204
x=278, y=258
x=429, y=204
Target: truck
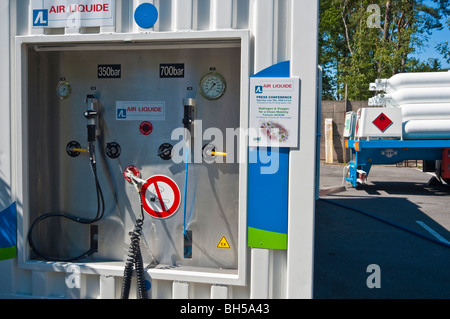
x=407, y=119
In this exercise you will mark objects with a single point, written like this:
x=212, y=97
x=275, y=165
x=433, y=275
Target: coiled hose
x=134, y=262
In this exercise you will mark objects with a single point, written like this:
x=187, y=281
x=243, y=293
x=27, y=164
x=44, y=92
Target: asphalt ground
x=388, y=239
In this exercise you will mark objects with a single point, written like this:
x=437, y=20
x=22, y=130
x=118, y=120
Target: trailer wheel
x=438, y=172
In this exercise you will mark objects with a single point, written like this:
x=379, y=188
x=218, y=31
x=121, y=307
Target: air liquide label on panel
x=141, y=110
x=72, y=13
x=274, y=112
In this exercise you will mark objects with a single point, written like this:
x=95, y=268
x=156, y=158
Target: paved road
x=397, y=222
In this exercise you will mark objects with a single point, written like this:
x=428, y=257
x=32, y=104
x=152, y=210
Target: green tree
x=361, y=40
x=444, y=47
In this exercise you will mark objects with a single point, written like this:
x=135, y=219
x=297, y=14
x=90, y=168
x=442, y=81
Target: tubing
x=135, y=262
x=186, y=172
x=99, y=215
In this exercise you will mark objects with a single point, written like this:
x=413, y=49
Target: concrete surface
x=397, y=222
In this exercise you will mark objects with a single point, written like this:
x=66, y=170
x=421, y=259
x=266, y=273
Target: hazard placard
x=223, y=243
x=382, y=122
x=161, y=196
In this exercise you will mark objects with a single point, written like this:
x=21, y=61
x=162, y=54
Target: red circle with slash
x=161, y=196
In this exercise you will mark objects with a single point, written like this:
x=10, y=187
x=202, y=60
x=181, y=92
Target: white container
x=431, y=111
x=350, y=123
x=379, y=123
x=426, y=129
x=411, y=80
x=418, y=95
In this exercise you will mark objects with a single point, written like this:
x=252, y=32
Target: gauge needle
x=211, y=87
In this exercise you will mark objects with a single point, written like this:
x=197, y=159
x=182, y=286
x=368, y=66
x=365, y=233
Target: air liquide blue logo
x=40, y=18
x=258, y=89
x=121, y=114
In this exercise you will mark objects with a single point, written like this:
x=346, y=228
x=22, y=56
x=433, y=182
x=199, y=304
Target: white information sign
x=141, y=110
x=274, y=112
x=72, y=13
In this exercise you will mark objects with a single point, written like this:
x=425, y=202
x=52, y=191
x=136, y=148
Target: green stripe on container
x=8, y=253
x=266, y=239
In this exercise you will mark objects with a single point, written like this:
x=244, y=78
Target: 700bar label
x=174, y=70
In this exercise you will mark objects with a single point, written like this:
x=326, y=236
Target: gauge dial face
x=63, y=90
x=212, y=86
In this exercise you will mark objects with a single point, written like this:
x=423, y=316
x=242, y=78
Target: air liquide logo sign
x=267, y=87
x=72, y=13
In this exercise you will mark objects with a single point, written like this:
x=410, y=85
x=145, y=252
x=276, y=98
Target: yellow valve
x=218, y=153
x=81, y=150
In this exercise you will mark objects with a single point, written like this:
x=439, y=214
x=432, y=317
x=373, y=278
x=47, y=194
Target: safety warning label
x=223, y=243
x=141, y=110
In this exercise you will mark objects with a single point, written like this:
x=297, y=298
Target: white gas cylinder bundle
x=424, y=98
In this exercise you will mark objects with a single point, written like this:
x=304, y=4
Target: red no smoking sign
x=161, y=196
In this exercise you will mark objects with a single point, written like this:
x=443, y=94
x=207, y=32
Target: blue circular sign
x=146, y=15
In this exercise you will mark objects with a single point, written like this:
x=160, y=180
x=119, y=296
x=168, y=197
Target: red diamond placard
x=382, y=122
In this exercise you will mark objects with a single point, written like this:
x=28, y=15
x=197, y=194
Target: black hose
x=134, y=262
x=99, y=215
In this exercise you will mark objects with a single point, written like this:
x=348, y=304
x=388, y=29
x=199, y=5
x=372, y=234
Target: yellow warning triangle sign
x=223, y=243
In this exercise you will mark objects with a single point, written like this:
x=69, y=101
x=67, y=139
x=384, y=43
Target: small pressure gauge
x=63, y=90
x=213, y=86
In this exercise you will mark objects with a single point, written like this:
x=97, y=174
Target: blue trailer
x=367, y=152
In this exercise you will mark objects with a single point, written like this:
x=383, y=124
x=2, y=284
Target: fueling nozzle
x=132, y=175
x=91, y=115
x=189, y=104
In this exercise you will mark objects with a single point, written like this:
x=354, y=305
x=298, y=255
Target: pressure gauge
x=212, y=86
x=63, y=90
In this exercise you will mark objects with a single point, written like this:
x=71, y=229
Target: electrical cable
x=436, y=241
x=134, y=261
x=99, y=215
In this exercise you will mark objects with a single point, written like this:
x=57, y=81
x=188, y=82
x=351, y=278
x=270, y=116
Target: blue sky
x=430, y=52
x=435, y=38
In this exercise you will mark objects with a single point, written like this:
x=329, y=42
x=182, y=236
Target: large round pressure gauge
x=63, y=90
x=212, y=86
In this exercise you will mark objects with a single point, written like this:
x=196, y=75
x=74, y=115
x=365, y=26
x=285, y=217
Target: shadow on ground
x=378, y=224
